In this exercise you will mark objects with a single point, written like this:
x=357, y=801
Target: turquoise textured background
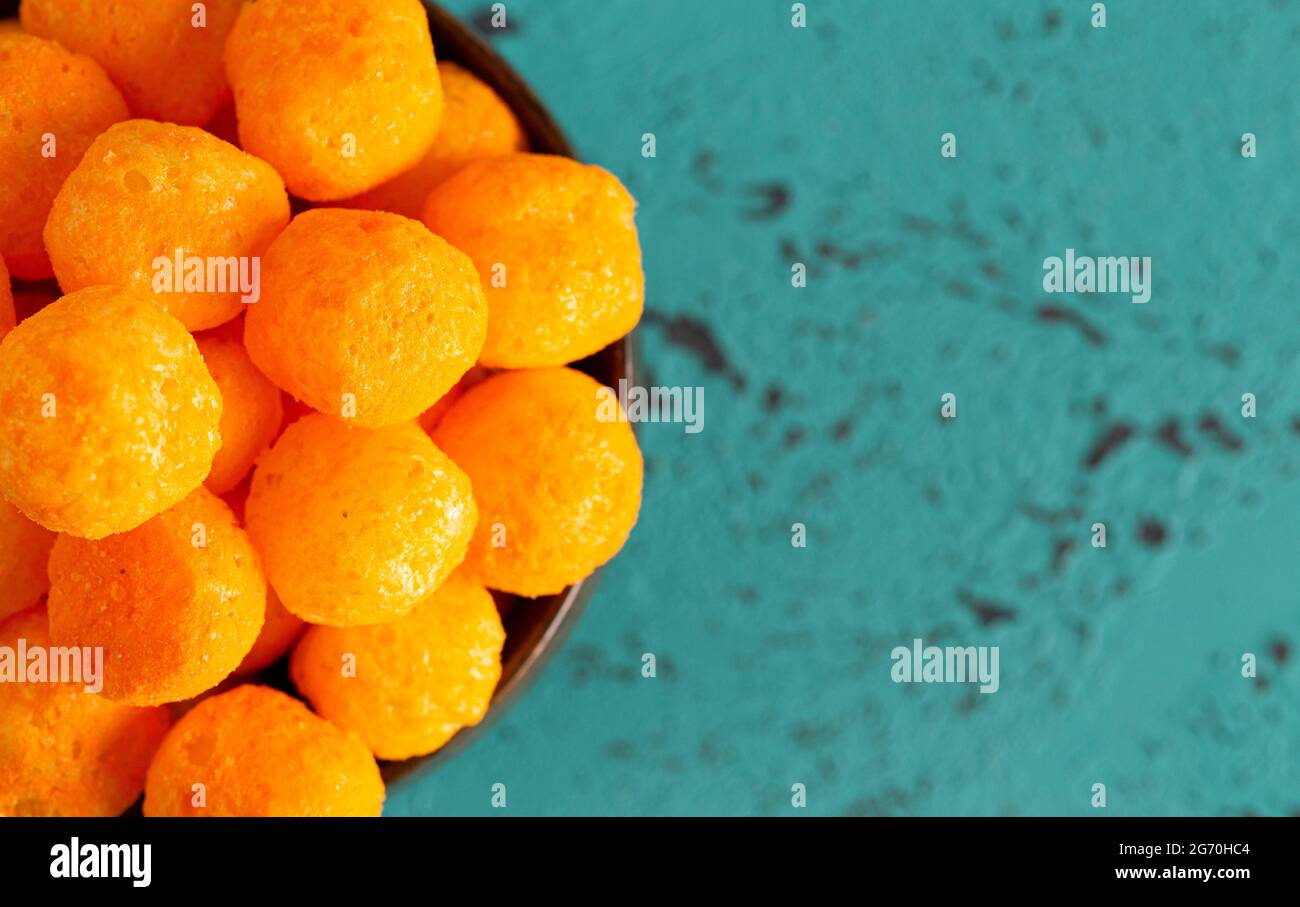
x=821, y=145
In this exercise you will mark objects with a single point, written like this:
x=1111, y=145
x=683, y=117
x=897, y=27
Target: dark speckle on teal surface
x=777, y=145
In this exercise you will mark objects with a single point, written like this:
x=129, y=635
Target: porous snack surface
x=256, y=752
x=251, y=412
x=280, y=630
x=176, y=603
x=556, y=477
x=66, y=751
x=357, y=525
x=108, y=415
x=556, y=247
x=339, y=96
x=170, y=211
x=476, y=124
x=365, y=315
x=52, y=105
x=166, y=56
x=407, y=686
x=24, y=550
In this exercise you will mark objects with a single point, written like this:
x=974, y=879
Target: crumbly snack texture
x=561, y=496
x=45, y=91
x=108, y=415
x=556, y=246
x=338, y=96
x=67, y=751
x=366, y=315
x=256, y=752
x=407, y=686
x=176, y=604
x=357, y=525
x=24, y=551
x=166, y=56
x=476, y=124
x=252, y=410
x=169, y=211
x=280, y=630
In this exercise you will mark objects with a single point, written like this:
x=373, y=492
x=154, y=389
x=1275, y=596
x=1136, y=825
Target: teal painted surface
x=1118, y=666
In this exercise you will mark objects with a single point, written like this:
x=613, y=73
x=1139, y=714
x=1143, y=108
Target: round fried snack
x=556, y=476
x=176, y=603
x=107, y=413
x=65, y=751
x=24, y=552
x=251, y=410
x=8, y=315
x=171, y=211
x=556, y=247
x=339, y=96
x=280, y=630
x=365, y=315
x=357, y=525
x=257, y=752
x=476, y=124
x=166, y=56
x=407, y=686
x=52, y=105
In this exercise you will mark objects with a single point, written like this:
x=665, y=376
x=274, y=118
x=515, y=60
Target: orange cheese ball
x=259, y=752
x=407, y=686
x=365, y=315
x=171, y=211
x=45, y=91
x=251, y=411
x=557, y=488
x=8, y=315
x=107, y=413
x=339, y=96
x=476, y=124
x=557, y=249
x=357, y=525
x=176, y=603
x=24, y=552
x=166, y=57
x=65, y=751
x=280, y=630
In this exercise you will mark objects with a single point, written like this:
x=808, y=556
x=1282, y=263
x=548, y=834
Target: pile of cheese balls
x=237, y=433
